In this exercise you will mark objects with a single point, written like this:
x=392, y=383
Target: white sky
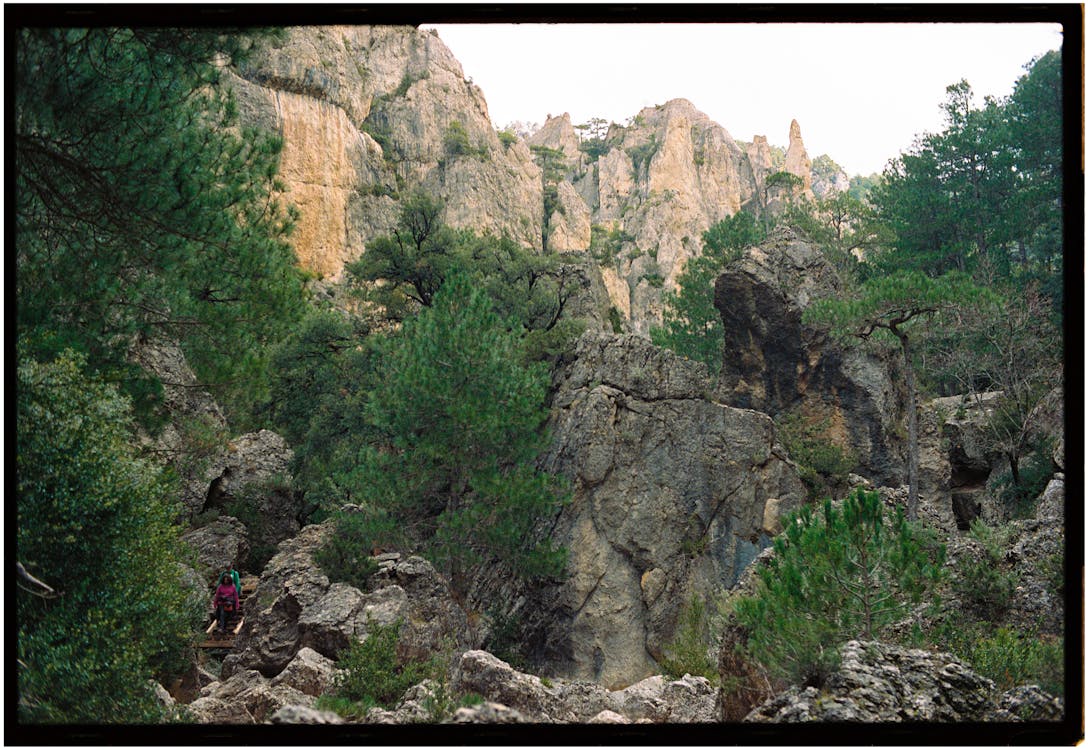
x=860, y=92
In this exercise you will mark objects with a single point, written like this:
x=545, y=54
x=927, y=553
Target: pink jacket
x=226, y=593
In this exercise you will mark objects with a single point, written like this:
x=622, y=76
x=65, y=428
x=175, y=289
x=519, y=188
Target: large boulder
x=773, y=362
x=246, y=697
x=671, y=491
x=297, y=610
x=878, y=682
x=309, y=672
x=217, y=544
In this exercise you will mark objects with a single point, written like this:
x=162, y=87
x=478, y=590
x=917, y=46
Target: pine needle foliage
x=460, y=421
x=837, y=574
x=142, y=208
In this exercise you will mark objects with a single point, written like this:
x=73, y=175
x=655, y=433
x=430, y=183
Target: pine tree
x=142, y=209
x=837, y=574
x=460, y=419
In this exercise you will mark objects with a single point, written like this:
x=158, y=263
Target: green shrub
x=507, y=138
x=689, y=650
x=372, y=672
x=346, y=554
x=456, y=140
x=615, y=318
x=94, y=523
x=1020, y=497
x=642, y=154
x=1007, y=656
x=836, y=575
x=822, y=464
x=504, y=640
x=981, y=584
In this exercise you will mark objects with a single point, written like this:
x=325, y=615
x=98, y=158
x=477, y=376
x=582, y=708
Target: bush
x=95, y=523
x=981, y=584
x=1035, y=473
x=835, y=575
x=1007, y=656
x=822, y=464
x=456, y=140
x=507, y=138
x=689, y=651
x=346, y=554
x=372, y=672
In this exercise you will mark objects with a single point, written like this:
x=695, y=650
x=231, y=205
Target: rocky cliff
x=673, y=494
x=661, y=181
x=368, y=112
x=776, y=363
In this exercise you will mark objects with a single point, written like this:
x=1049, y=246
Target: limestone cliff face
x=662, y=181
x=797, y=161
x=368, y=113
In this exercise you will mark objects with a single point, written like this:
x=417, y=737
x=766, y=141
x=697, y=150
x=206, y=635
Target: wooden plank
x=238, y=627
x=211, y=627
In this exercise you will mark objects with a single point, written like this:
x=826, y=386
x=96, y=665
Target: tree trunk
x=912, y=427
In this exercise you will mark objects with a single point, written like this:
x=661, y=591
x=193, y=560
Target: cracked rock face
x=670, y=498
x=773, y=362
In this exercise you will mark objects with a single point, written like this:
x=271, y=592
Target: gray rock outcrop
x=297, y=609
x=877, y=682
x=773, y=362
x=654, y=700
x=217, y=544
x=246, y=697
x=190, y=409
x=671, y=490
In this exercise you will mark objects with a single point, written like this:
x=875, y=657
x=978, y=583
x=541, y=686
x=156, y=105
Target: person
x=235, y=577
x=225, y=600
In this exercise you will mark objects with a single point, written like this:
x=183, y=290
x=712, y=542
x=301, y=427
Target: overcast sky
x=860, y=92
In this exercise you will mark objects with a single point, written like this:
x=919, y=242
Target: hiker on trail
x=235, y=577
x=225, y=600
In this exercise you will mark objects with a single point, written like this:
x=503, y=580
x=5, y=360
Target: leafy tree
x=837, y=574
x=894, y=306
x=143, y=210
x=95, y=526
x=691, y=324
x=845, y=228
x=1013, y=347
x=460, y=420
x=402, y=272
